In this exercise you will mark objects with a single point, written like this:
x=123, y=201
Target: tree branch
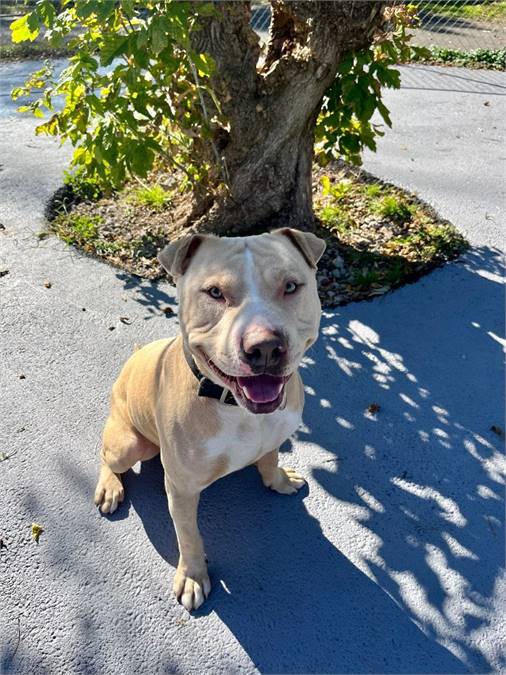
x=229, y=39
x=273, y=111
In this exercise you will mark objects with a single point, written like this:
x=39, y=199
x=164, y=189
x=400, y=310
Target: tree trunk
x=265, y=156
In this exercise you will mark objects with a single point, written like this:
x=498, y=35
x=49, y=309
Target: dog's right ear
x=177, y=255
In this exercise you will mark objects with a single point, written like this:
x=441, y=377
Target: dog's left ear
x=177, y=255
x=311, y=246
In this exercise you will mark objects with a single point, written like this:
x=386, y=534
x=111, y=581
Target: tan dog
x=226, y=392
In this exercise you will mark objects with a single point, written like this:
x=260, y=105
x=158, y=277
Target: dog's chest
x=244, y=438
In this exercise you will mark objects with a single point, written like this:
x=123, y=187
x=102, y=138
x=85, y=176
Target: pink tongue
x=261, y=388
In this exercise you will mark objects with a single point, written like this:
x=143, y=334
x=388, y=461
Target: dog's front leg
x=284, y=480
x=191, y=582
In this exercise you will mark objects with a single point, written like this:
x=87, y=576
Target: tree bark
x=265, y=156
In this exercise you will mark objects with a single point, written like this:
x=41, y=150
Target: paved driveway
x=390, y=561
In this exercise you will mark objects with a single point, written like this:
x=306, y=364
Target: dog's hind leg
x=122, y=447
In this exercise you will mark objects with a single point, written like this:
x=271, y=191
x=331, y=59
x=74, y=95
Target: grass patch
x=373, y=190
x=133, y=250
x=78, y=229
x=152, y=196
x=493, y=59
x=82, y=186
x=488, y=12
x=336, y=218
x=392, y=206
x=378, y=236
x=394, y=238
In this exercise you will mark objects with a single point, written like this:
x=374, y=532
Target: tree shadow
x=435, y=78
x=149, y=294
x=388, y=561
x=293, y=601
x=404, y=570
x=422, y=479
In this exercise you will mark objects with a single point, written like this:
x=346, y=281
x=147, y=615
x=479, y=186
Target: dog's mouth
x=260, y=394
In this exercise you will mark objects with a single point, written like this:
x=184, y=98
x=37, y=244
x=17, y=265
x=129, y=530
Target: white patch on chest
x=244, y=437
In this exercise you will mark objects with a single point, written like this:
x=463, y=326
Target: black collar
x=207, y=388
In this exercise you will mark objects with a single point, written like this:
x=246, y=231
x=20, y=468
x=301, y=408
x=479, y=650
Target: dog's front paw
x=109, y=492
x=191, y=589
x=285, y=481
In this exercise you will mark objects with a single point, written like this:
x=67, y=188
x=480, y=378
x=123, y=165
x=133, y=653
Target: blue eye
x=215, y=293
x=290, y=287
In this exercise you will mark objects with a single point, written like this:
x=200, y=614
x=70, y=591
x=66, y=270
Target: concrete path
x=391, y=561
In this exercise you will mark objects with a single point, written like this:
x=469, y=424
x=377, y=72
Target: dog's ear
x=311, y=246
x=176, y=256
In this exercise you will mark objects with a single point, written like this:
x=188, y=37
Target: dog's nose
x=264, y=352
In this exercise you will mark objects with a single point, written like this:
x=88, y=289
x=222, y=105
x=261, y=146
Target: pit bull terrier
x=226, y=392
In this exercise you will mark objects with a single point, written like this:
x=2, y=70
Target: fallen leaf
x=373, y=408
x=497, y=430
x=37, y=530
x=4, y=273
x=126, y=320
x=4, y=456
x=22, y=377
x=47, y=284
x=487, y=103
x=112, y=327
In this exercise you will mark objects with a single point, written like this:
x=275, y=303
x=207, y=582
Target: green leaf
x=159, y=33
x=25, y=28
x=368, y=108
x=325, y=181
x=111, y=48
x=140, y=159
x=46, y=12
x=349, y=144
x=128, y=7
x=384, y=112
x=87, y=60
x=50, y=127
x=142, y=38
x=85, y=8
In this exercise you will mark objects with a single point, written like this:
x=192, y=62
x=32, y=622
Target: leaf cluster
x=345, y=125
x=136, y=95
x=132, y=92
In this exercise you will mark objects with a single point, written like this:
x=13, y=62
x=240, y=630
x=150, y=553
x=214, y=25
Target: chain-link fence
x=456, y=24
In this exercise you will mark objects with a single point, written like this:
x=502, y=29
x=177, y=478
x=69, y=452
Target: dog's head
x=249, y=308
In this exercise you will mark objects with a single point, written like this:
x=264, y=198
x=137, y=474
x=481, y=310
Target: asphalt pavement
x=391, y=560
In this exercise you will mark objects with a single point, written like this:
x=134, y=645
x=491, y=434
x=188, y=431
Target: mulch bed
x=379, y=237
